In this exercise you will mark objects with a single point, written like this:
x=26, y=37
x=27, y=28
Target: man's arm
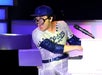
x=58, y=48
x=51, y=46
x=74, y=44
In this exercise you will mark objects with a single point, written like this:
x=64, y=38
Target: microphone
x=83, y=30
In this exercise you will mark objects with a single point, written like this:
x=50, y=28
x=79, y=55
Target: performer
x=52, y=38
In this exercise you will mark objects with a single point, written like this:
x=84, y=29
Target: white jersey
x=60, y=37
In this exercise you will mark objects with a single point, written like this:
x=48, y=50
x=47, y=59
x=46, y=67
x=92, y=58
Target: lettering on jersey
x=58, y=37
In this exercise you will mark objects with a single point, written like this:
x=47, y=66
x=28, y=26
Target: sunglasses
x=40, y=21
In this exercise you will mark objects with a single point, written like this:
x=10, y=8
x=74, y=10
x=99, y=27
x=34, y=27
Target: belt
x=55, y=59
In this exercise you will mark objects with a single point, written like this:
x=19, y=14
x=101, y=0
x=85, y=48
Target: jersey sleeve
x=67, y=29
x=72, y=39
x=37, y=37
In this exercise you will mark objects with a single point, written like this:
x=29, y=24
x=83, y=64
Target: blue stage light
x=3, y=28
x=2, y=14
x=6, y=2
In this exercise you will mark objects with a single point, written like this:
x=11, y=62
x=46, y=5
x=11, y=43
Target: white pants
x=54, y=68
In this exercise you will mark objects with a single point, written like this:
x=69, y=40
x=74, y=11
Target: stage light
x=2, y=14
x=6, y=2
x=3, y=27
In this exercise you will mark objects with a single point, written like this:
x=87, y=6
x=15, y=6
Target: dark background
x=64, y=9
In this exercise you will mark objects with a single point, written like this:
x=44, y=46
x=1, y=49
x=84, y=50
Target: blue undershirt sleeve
x=74, y=40
x=52, y=47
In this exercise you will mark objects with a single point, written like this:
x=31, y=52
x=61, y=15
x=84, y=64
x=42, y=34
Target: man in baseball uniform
x=54, y=39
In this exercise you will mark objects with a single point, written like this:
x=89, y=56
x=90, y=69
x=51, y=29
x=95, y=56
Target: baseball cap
x=43, y=10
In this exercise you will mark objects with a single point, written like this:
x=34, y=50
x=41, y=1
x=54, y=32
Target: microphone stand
x=85, y=33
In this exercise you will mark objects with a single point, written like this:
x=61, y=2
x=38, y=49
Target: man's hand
x=68, y=48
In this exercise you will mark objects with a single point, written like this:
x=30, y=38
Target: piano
x=91, y=62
